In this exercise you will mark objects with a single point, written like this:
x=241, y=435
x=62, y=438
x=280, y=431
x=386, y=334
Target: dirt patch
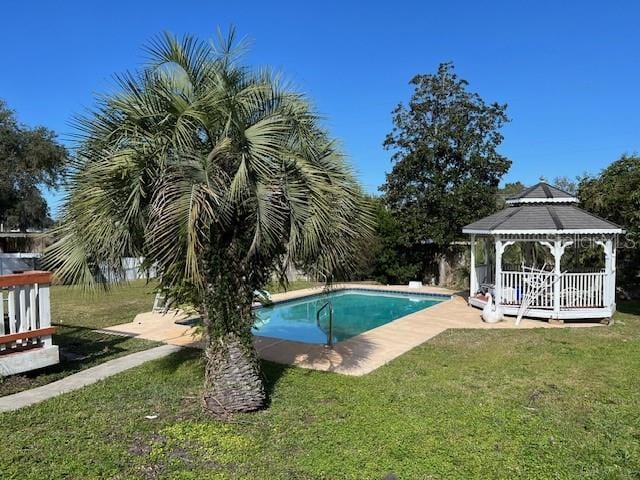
x=541, y=393
x=151, y=472
x=139, y=447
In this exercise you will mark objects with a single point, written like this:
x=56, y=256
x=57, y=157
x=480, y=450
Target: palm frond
x=196, y=154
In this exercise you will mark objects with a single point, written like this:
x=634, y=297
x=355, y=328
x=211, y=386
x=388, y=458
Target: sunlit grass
x=552, y=403
x=71, y=306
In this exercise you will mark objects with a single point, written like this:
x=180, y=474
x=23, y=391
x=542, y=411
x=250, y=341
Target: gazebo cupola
x=547, y=216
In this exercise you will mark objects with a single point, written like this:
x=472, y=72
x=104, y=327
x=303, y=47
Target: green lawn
x=560, y=403
x=76, y=315
x=275, y=287
x=72, y=307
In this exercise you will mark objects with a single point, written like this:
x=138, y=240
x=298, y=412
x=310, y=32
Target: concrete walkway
x=84, y=378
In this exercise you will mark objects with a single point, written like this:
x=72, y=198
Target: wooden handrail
x=40, y=332
x=27, y=278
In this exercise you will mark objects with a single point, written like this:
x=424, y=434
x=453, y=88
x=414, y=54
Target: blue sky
x=568, y=70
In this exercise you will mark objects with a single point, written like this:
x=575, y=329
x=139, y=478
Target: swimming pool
x=354, y=312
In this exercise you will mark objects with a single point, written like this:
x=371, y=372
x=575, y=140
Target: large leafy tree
x=391, y=263
x=446, y=161
x=509, y=190
x=614, y=194
x=219, y=175
x=30, y=158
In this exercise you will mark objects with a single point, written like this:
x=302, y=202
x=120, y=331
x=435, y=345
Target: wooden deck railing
x=25, y=315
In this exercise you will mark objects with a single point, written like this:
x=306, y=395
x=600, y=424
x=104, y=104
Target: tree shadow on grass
x=171, y=363
x=80, y=348
x=346, y=356
x=351, y=357
x=272, y=373
x=168, y=365
x=87, y=344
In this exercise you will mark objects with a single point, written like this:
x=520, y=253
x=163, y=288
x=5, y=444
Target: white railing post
x=33, y=306
x=44, y=310
x=22, y=309
x=11, y=307
x=2, y=332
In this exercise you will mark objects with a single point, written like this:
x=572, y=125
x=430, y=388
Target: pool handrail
x=329, y=343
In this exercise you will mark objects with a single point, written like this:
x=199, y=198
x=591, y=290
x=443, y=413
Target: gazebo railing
x=577, y=290
x=516, y=285
x=582, y=290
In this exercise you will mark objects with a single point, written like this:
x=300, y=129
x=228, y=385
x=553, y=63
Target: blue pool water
x=354, y=312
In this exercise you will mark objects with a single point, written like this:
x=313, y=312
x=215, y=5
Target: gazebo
x=546, y=216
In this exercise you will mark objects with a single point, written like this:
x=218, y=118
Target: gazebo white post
x=557, y=250
x=609, y=269
x=557, y=255
x=498, y=280
x=614, y=270
x=608, y=294
x=473, y=282
x=488, y=272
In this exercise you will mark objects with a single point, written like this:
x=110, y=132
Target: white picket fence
x=131, y=270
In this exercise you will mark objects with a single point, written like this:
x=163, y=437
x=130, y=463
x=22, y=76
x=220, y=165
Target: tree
x=615, y=195
x=565, y=183
x=385, y=259
x=220, y=176
x=446, y=164
x=31, y=158
x=509, y=190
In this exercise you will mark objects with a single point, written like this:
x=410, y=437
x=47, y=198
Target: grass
x=70, y=306
x=548, y=403
x=276, y=287
x=76, y=315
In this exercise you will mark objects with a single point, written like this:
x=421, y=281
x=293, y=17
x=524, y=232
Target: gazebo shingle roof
x=542, y=193
x=542, y=209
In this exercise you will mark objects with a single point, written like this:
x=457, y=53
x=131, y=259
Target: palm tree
x=220, y=176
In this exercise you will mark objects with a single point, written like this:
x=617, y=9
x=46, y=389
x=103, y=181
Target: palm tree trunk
x=233, y=382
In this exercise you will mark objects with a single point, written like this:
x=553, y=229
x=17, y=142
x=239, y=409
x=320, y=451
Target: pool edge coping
x=374, y=347
x=445, y=298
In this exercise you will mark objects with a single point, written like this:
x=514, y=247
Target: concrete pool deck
x=356, y=356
